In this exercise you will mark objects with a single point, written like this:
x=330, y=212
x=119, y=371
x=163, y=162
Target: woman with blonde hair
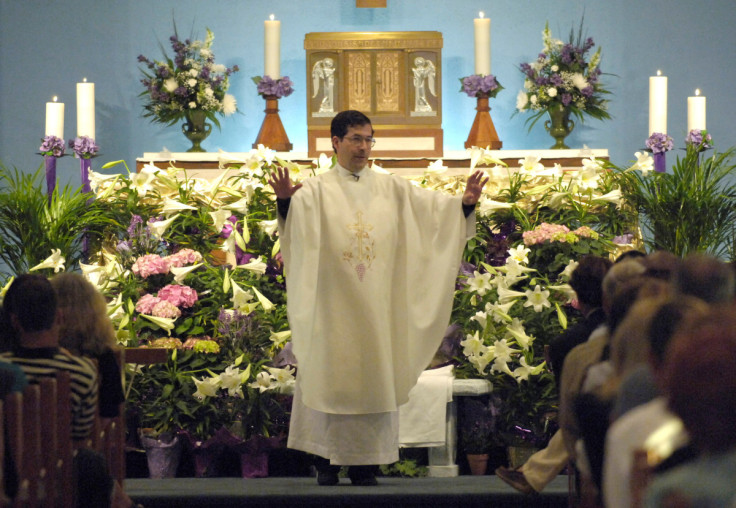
x=86, y=330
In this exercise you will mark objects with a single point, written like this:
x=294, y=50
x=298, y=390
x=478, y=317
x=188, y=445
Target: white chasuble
x=370, y=267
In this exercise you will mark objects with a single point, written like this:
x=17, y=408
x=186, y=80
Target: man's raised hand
x=281, y=184
x=474, y=187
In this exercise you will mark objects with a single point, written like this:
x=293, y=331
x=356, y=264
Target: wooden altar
x=393, y=77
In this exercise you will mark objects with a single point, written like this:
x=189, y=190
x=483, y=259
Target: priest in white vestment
x=370, y=263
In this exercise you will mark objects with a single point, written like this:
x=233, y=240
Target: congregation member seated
x=699, y=383
x=658, y=321
x=30, y=306
x=86, y=330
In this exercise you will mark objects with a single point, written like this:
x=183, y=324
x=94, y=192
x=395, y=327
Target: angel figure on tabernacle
x=323, y=73
x=424, y=71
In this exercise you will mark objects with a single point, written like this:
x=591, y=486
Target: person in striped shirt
x=30, y=307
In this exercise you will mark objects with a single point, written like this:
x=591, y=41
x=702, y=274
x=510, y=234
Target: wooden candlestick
x=483, y=133
x=272, y=134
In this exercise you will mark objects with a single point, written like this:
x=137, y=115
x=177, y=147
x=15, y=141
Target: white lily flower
x=614, y=197
x=538, y=299
x=231, y=380
x=567, y=272
x=516, y=331
x=158, y=228
x=523, y=372
x=97, y=179
x=115, y=309
x=506, y=295
x=500, y=312
x=480, y=362
x=219, y=217
x=283, y=378
x=514, y=270
x=181, y=272
x=587, y=177
x=262, y=382
x=269, y=226
x=164, y=323
x=173, y=206
x=473, y=345
x=644, y=163
x=206, y=387
x=228, y=244
x=481, y=317
x=519, y=254
x=487, y=206
x=267, y=305
x=279, y=338
x=435, y=168
x=142, y=181
x=479, y=283
x=500, y=365
x=55, y=261
x=503, y=351
x=240, y=296
x=323, y=164
x=266, y=154
x=240, y=206
x=94, y=273
x=531, y=164
x=565, y=289
x=255, y=265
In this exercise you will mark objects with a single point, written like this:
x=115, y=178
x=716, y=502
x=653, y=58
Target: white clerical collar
x=349, y=174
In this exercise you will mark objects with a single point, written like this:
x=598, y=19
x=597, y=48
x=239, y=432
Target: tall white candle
x=55, y=118
x=272, y=48
x=696, y=112
x=86, y=109
x=482, y=44
x=658, y=103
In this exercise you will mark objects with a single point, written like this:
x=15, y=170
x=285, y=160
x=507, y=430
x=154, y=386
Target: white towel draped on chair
x=423, y=419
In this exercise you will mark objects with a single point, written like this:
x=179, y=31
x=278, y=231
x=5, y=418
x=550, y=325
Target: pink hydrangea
x=150, y=264
x=165, y=309
x=181, y=296
x=545, y=233
x=146, y=304
x=184, y=257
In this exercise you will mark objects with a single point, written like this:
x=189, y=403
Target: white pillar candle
x=55, y=118
x=272, y=48
x=482, y=44
x=696, y=112
x=86, y=109
x=658, y=103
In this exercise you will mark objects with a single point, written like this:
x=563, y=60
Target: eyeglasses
x=359, y=140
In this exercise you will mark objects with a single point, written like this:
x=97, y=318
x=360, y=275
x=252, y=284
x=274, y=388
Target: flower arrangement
x=476, y=85
x=188, y=82
x=659, y=143
x=52, y=146
x=562, y=76
x=282, y=87
x=84, y=147
x=700, y=139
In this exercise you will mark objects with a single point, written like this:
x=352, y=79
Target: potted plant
x=477, y=426
x=689, y=208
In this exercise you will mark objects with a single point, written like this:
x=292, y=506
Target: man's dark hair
x=587, y=279
x=32, y=300
x=346, y=119
x=705, y=277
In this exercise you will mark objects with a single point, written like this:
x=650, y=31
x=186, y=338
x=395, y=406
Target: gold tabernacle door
x=393, y=77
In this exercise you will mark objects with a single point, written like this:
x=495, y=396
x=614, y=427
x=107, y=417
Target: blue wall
x=46, y=47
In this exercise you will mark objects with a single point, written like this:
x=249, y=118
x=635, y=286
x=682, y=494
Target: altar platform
x=461, y=492
x=207, y=164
